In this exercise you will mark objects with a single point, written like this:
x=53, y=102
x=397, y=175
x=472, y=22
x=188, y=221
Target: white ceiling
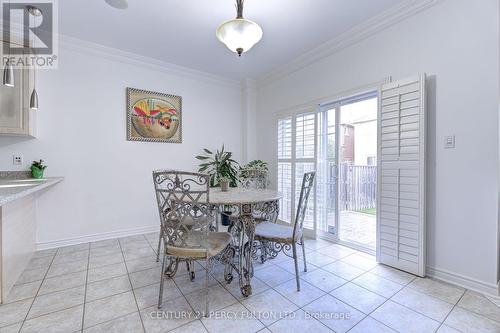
x=182, y=32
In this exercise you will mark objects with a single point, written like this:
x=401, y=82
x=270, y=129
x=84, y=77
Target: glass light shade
x=239, y=35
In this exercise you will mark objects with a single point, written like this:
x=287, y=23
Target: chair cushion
x=198, y=245
x=189, y=221
x=274, y=232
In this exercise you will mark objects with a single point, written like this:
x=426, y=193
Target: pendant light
x=36, y=12
x=34, y=100
x=8, y=72
x=118, y=4
x=239, y=34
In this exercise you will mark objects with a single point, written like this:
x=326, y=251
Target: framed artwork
x=153, y=116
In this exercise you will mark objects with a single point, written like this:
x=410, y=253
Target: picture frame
x=153, y=116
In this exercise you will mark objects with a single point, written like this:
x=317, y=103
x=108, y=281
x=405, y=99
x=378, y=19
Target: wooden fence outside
x=358, y=186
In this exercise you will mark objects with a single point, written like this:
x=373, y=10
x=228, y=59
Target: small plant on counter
x=37, y=169
x=217, y=165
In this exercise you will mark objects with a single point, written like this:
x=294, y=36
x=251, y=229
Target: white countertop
x=12, y=189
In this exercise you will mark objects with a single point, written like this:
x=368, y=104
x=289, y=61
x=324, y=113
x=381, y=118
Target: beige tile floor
x=112, y=286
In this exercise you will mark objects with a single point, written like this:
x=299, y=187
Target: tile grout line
x=303, y=307
x=85, y=292
x=185, y=298
x=378, y=307
x=40, y=287
x=131, y=285
x=60, y=290
x=328, y=293
x=477, y=313
x=453, y=308
x=348, y=281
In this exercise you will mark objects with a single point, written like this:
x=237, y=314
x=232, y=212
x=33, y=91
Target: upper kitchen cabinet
x=16, y=118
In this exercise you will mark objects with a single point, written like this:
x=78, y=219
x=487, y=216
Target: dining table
x=247, y=207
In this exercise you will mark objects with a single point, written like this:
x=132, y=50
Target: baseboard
x=96, y=237
x=463, y=281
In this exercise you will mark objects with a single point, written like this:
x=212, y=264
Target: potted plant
x=253, y=169
x=217, y=165
x=37, y=169
x=257, y=165
x=220, y=167
x=224, y=183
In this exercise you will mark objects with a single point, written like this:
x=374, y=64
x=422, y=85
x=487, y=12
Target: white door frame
x=321, y=110
x=337, y=106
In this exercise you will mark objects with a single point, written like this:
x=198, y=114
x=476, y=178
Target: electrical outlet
x=449, y=142
x=17, y=159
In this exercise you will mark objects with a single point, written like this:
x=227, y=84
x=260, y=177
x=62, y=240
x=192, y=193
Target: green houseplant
x=37, y=168
x=256, y=165
x=223, y=171
x=217, y=165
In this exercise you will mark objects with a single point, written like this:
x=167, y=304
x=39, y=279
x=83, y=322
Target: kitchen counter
x=18, y=205
x=12, y=189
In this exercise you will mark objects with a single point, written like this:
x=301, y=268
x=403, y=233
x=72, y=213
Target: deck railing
x=357, y=186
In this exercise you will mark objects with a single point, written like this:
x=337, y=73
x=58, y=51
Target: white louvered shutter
x=401, y=175
x=305, y=152
x=285, y=167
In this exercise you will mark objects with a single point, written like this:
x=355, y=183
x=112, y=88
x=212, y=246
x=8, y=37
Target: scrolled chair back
x=185, y=214
x=307, y=185
x=253, y=179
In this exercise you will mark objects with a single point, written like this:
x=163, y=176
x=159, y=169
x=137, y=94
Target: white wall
x=456, y=43
x=82, y=137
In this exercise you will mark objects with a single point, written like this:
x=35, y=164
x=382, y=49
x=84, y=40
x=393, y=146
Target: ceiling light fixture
x=239, y=34
x=118, y=4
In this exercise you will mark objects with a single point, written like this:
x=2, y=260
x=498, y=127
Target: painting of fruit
x=153, y=116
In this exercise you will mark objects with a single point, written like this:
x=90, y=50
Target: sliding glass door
x=346, y=166
x=339, y=141
x=358, y=172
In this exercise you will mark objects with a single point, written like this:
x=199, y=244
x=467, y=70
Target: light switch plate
x=449, y=142
x=17, y=159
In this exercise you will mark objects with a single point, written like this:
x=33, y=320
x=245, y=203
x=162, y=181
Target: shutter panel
x=285, y=167
x=285, y=138
x=305, y=136
x=305, y=152
x=401, y=175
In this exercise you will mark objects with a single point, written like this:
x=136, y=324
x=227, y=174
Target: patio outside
x=359, y=228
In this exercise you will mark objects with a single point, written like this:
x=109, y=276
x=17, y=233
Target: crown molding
x=366, y=29
x=81, y=46
x=248, y=85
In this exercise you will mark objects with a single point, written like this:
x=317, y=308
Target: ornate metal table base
x=242, y=250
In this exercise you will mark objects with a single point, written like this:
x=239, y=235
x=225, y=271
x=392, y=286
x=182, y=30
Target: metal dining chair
x=274, y=237
x=186, y=219
x=253, y=179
